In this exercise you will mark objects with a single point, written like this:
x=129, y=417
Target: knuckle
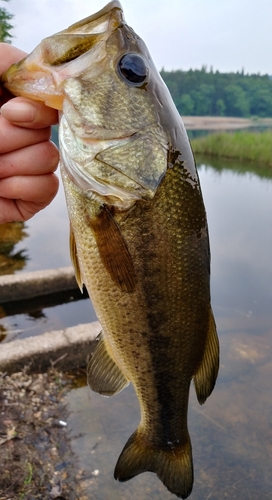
x=52, y=155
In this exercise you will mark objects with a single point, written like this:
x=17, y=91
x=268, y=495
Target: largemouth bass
x=139, y=237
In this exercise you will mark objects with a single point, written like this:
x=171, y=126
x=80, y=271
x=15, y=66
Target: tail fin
x=173, y=465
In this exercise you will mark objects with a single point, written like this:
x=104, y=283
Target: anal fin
x=103, y=374
x=206, y=375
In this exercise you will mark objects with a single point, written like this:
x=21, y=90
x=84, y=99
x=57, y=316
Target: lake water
x=232, y=433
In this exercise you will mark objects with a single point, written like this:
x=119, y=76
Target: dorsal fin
x=206, y=375
x=113, y=249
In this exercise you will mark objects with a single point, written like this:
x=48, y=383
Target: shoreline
x=223, y=122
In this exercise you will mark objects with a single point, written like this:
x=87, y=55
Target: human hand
x=27, y=157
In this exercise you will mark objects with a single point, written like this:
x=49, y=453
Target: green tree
x=261, y=102
x=202, y=92
x=220, y=107
x=203, y=97
x=5, y=25
x=236, y=100
x=185, y=105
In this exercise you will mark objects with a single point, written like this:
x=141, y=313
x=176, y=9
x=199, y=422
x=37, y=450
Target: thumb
x=29, y=114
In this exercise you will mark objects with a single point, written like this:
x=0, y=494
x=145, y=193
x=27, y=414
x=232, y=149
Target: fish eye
x=132, y=68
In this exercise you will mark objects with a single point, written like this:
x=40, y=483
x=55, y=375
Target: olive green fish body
x=157, y=331
x=139, y=237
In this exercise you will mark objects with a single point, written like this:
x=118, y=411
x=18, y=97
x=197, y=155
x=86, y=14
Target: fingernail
x=18, y=112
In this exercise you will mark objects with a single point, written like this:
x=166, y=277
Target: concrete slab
x=67, y=349
x=37, y=283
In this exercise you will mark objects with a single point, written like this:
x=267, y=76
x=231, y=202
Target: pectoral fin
x=206, y=375
x=103, y=374
x=113, y=250
x=74, y=259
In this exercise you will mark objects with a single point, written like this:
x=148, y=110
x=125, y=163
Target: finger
x=9, y=212
x=9, y=55
x=41, y=158
x=30, y=114
x=36, y=188
x=22, y=197
x=13, y=137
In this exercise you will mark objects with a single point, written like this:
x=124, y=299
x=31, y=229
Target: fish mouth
x=42, y=74
x=29, y=79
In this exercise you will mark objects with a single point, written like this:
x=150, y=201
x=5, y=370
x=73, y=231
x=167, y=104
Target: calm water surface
x=232, y=433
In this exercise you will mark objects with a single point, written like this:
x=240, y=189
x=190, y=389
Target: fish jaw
x=41, y=75
x=30, y=78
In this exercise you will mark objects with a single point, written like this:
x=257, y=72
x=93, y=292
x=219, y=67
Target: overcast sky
x=229, y=35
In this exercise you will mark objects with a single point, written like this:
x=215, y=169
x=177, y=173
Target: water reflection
x=46, y=313
x=48, y=237
x=12, y=260
x=239, y=208
x=236, y=166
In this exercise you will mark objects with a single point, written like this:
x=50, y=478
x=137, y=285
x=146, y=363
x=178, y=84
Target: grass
x=28, y=478
x=243, y=145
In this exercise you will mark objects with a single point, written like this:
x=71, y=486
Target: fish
x=139, y=235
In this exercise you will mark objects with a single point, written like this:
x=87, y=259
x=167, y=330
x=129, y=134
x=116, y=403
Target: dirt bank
x=36, y=461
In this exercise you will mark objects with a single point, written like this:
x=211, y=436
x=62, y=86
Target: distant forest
x=209, y=93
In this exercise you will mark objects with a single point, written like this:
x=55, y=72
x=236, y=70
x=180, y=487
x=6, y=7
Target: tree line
x=211, y=93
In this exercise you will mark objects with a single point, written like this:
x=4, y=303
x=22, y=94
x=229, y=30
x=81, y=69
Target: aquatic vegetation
x=242, y=145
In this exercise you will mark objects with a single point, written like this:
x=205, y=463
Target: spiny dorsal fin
x=113, y=250
x=74, y=259
x=103, y=374
x=206, y=375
